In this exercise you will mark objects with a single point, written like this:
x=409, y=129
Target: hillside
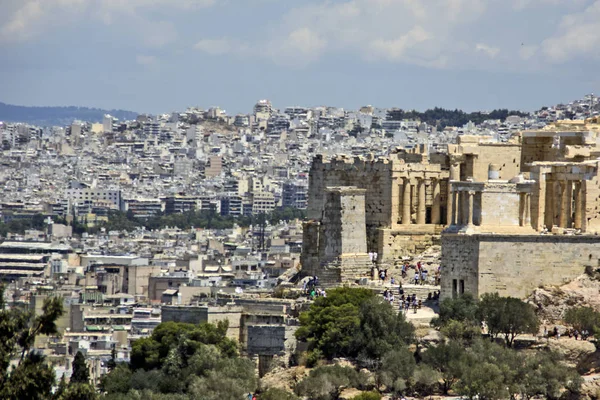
x=51, y=116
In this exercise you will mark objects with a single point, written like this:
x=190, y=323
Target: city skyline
x=158, y=56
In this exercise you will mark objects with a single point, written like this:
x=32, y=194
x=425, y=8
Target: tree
x=81, y=372
x=325, y=383
x=583, y=318
x=196, y=360
x=150, y=353
x=30, y=377
x=396, y=368
x=112, y=363
x=331, y=322
x=508, y=316
x=464, y=308
x=448, y=360
x=381, y=330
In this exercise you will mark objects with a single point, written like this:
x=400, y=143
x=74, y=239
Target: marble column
x=436, y=208
x=562, y=221
x=470, y=208
x=569, y=204
x=550, y=201
x=528, y=209
x=421, y=202
x=453, y=208
x=577, y=223
x=406, y=202
x=521, y=209
x=454, y=176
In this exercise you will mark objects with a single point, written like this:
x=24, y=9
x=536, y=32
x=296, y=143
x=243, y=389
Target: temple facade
x=537, y=193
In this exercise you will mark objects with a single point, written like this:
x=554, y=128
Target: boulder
x=572, y=350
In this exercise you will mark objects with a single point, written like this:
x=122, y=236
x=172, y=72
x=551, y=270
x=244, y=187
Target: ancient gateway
x=510, y=216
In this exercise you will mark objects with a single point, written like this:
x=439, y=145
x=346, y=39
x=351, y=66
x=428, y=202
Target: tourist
x=576, y=334
x=382, y=276
x=416, y=278
x=401, y=290
x=424, y=277
x=393, y=281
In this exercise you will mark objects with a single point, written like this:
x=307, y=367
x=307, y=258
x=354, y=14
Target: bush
x=313, y=357
x=368, y=396
x=396, y=369
x=583, y=318
x=325, y=383
x=278, y=394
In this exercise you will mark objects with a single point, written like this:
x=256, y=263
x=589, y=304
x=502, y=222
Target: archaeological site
x=510, y=217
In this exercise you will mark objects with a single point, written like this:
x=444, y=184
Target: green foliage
x=313, y=357
x=396, y=369
x=37, y=221
x=583, y=318
x=448, y=359
x=326, y=383
x=508, y=316
x=117, y=381
x=463, y=309
x=381, y=329
x=81, y=373
x=197, y=361
x=462, y=331
x=425, y=380
x=30, y=377
x=79, y=391
x=150, y=353
x=441, y=117
x=490, y=371
x=278, y=394
x=368, y=396
x=332, y=322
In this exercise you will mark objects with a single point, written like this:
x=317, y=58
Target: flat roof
x=34, y=245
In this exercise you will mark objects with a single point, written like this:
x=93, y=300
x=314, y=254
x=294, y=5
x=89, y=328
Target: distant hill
x=58, y=116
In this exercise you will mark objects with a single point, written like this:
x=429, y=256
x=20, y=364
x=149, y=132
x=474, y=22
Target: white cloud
x=145, y=60
x=579, y=35
x=490, y=51
x=305, y=41
x=22, y=20
x=397, y=49
x=214, y=46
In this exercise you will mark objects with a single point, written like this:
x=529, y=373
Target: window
x=462, y=286
x=454, y=288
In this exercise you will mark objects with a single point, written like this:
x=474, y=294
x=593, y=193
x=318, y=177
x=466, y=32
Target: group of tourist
x=571, y=333
x=311, y=290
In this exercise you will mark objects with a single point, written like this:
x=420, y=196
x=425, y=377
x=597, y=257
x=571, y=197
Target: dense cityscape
x=270, y=255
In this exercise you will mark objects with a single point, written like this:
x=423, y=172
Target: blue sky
x=165, y=55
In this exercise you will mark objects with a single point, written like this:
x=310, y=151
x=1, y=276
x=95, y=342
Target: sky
x=160, y=56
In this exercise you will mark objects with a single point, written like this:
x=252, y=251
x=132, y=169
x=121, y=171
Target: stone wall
x=406, y=241
x=374, y=176
x=265, y=339
x=202, y=314
x=513, y=265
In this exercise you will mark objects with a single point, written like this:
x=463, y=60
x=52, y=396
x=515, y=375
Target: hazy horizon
x=159, y=56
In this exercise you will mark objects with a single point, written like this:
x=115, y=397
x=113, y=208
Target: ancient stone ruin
x=510, y=216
